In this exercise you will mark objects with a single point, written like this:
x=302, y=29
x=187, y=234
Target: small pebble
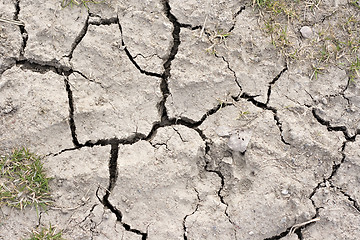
x=223, y=131
x=306, y=32
x=324, y=101
x=285, y=192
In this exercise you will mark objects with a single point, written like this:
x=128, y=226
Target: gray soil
x=149, y=136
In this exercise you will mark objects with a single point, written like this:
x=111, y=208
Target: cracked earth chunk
x=269, y=166
x=52, y=30
x=209, y=221
x=314, y=146
x=147, y=33
x=347, y=176
x=343, y=110
x=296, y=88
x=117, y=100
x=251, y=56
x=155, y=186
x=12, y=218
x=199, y=80
x=10, y=37
x=77, y=175
x=340, y=112
x=220, y=14
x=230, y=118
x=33, y=111
x=338, y=218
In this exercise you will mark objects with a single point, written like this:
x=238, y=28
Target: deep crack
x=78, y=39
x=113, y=175
x=71, y=113
x=235, y=16
x=23, y=31
x=43, y=67
x=222, y=177
x=354, y=202
x=103, y=21
x=187, y=122
x=164, y=87
x=327, y=123
x=273, y=82
x=131, y=58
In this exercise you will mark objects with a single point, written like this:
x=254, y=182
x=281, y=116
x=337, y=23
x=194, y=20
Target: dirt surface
x=155, y=125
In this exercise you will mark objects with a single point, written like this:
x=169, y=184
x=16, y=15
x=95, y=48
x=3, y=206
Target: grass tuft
x=23, y=181
x=46, y=234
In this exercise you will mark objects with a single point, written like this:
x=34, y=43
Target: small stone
x=223, y=131
x=306, y=32
x=239, y=140
x=324, y=101
x=228, y=160
x=284, y=192
x=251, y=233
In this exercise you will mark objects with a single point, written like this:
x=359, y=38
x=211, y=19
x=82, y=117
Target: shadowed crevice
x=113, y=175
x=164, y=87
x=222, y=179
x=327, y=123
x=71, y=113
x=187, y=122
x=130, y=57
x=352, y=200
x=103, y=21
x=235, y=16
x=23, y=31
x=43, y=67
x=273, y=82
x=79, y=38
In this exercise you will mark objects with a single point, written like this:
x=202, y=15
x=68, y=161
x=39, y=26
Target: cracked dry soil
x=126, y=106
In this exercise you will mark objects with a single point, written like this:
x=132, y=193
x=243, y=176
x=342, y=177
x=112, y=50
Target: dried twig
x=12, y=22
x=296, y=226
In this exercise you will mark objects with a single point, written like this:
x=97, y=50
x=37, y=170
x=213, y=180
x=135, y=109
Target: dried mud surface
x=135, y=120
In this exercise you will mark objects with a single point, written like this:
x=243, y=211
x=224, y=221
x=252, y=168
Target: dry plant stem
x=203, y=28
x=12, y=22
x=296, y=226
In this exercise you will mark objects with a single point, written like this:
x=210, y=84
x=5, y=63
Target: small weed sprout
x=316, y=72
x=23, y=181
x=354, y=69
x=243, y=114
x=46, y=234
x=216, y=38
x=66, y=3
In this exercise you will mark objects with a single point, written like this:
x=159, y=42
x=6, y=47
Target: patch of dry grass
x=335, y=39
x=23, y=181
